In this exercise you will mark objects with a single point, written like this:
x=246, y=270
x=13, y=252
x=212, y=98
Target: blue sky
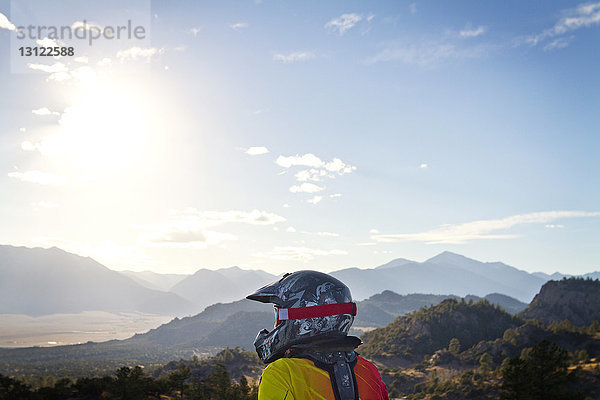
x=285, y=135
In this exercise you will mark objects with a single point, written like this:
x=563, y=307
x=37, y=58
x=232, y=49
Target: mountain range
x=39, y=281
x=446, y=273
x=48, y=281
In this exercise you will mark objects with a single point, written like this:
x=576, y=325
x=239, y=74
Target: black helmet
x=309, y=306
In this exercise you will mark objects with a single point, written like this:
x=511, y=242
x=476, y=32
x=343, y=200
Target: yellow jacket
x=300, y=379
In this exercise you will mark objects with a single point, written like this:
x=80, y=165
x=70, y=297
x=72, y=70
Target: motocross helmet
x=309, y=306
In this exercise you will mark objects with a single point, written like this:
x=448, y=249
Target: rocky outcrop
x=574, y=299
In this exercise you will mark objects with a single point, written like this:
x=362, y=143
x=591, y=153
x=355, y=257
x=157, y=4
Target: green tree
x=61, y=390
x=178, y=377
x=219, y=383
x=12, y=389
x=454, y=346
x=539, y=374
x=131, y=383
x=485, y=362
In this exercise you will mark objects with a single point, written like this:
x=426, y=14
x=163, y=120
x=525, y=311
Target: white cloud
x=307, y=175
x=583, y=16
x=213, y=218
x=310, y=160
x=86, y=26
x=319, y=171
x=39, y=177
x=138, y=53
x=306, y=188
x=374, y=231
x=559, y=43
x=337, y=165
x=315, y=199
x=291, y=253
x=330, y=234
x=239, y=26
x=47, y=42
x=291, y=229
x=335, y=195
x=51, y=69
x=306, y=160
x=483, y=229
x=44, y=111
x=256, y=151
x=423, y=166
x=292, y=57
x=195, y=31
x=343, y=23
x=6, y=24
x=82, y=59
x=286, y=205
x=554, y=226
x=58, y=71
x=22, y=129
x=473, y=32
x=366, y=244
x=426, y=54
x=412, y=7
x=104, y=62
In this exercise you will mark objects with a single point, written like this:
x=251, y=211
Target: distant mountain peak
x=395, y=263
x=448, y=257
x=234, y=268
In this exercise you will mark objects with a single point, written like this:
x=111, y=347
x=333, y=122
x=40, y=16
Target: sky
x=282, y=135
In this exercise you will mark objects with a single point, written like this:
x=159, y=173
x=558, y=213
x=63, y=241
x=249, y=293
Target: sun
x=107, y=127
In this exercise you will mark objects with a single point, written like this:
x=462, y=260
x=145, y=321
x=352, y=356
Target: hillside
x=381, y=309
x=514, y=340
x=573, y=299
x=423, y=332
x=220, y=325
x=39, y=281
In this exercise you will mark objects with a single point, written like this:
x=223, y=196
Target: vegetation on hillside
x=431, y=328
x=186, y=379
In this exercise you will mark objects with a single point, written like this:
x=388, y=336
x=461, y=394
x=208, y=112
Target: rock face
x=573, y=299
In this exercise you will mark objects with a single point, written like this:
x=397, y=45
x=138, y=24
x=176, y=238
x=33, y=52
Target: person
x=308, y=352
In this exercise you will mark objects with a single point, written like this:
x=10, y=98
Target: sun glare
x=105, y=129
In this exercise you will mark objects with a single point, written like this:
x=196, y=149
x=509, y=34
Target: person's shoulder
x=363, y=362
x=286, y=363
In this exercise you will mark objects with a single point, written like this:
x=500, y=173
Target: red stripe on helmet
x=324, y=310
